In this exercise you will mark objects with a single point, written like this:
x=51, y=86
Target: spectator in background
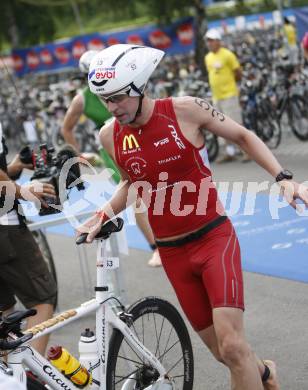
x=224, y=71
x=23, y=271
x=290, y=35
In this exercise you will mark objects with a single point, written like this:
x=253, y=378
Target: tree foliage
x=165, y=11
x=24, y=24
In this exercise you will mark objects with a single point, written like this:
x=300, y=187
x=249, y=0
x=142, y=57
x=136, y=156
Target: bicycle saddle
x=112, y=226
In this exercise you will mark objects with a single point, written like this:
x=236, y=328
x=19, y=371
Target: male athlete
x=168, y=167
x=88, y=104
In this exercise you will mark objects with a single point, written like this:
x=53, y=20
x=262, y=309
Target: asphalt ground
x=276, y=316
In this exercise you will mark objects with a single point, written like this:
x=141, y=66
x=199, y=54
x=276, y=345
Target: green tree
x=166, y=11
x=25, y=24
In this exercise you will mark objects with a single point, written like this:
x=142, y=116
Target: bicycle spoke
x=123, y=378
x=129, y=360
x=160, y=357
x=158, y=339
x=177, y=376
x=175, y=364
x=132, y=349
x=168, y=339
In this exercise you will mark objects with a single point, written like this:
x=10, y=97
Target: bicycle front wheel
x=161, y=329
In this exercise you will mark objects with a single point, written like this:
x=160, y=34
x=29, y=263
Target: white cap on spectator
x=212, y=33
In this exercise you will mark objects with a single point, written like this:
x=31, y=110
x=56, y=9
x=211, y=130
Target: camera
x=47, y=166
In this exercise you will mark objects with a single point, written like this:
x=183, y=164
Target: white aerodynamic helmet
x=123, y=68
x=85, y=60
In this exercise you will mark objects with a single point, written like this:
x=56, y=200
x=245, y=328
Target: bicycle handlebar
x=11, y=336
x=112, y=226
x=12, y=344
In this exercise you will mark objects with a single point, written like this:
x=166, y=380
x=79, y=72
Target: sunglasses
x=115, y=98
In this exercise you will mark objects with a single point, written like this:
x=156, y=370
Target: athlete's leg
x=219, y=263
x=44, y=312
x=234, y=350
x=209, y=337
x=208, y=273
x=27, y=276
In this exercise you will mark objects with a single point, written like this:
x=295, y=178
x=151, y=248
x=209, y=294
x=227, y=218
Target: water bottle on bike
x=69, y=366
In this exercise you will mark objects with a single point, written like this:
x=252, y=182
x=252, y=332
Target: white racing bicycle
x=146, y=347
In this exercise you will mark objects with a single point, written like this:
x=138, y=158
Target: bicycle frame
x=106, y=320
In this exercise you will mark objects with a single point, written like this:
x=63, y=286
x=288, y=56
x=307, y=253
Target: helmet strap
x=138, y=112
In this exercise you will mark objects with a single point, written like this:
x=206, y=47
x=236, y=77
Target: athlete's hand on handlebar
x=37, y=191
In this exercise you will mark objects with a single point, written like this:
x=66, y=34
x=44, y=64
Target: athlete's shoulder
x=181, y=103
x=193, y=110
x=185, y=105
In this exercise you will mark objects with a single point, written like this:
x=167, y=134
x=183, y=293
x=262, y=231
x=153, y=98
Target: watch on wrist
x=284, y=175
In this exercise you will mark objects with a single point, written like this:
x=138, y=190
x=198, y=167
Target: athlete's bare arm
x=195, y=113
x=71, y=119
x=124, y=195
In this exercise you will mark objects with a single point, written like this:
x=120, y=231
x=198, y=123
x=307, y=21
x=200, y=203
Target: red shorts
x=206, y=273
